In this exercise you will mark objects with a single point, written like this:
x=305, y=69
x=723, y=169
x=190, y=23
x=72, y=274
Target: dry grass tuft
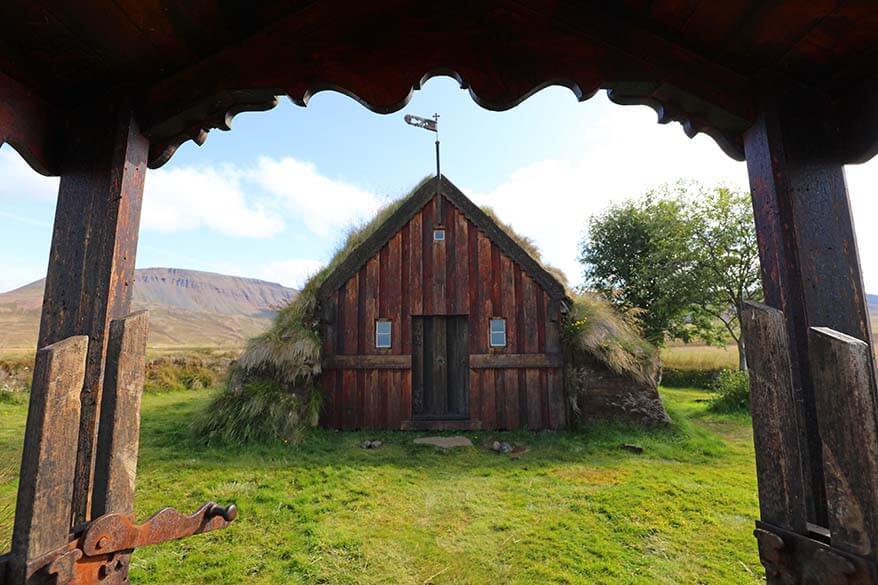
x=272, y=393
x=285, y=362
x=595, y=328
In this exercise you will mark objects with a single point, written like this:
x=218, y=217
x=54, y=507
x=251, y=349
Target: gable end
x=398, y=220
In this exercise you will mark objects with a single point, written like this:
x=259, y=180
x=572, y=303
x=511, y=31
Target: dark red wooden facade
x=466, y=274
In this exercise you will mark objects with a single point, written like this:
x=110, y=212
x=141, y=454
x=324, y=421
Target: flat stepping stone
x=444, y=442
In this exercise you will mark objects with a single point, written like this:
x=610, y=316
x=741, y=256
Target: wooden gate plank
x=119, y=431
x=440, y=357
x=775, y=431
x=534, y=399
x=511, y=398
x=417, y=366
x=48, y=463
x=92, y=258
x=841, y=367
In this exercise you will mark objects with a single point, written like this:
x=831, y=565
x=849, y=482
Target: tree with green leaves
x=683, y=258
x=726, y=255
x=636, y=254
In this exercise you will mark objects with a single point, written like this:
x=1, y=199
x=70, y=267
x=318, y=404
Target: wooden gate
x=45, y=548
x=792, y=549
x=440, y=367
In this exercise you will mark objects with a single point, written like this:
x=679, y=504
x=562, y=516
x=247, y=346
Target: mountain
x=187, y=308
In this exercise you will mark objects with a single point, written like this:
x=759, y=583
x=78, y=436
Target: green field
x=575, y=508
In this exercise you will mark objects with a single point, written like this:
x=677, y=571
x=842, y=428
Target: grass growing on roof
x=595, y=328
x=286, y=360
x=272, y=393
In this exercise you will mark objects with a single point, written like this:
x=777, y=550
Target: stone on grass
x=370, y=444
x=502, y=447
x=444, y=442
x=633, y=448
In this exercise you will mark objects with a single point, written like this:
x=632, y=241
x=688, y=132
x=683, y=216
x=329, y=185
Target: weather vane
x=427, y=124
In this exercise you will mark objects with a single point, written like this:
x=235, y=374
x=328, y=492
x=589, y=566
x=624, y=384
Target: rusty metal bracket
x=795, y=559
x=100, y=552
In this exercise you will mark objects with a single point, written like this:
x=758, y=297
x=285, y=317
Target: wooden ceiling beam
x=30, y=125
x=502, y=53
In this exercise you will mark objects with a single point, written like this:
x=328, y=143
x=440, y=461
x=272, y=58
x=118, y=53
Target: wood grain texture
x=462, y=264
x=370, y=362
x=119, y=430
x=402, y=281
x=808, y=251
x=416, y=268
x=782, y=500
x=534, y=399
x=92, y=257
x=30, y=125
x=45, y=490
x=369, y=296
x=509, y=303
x=515, y=360
x=847, y=412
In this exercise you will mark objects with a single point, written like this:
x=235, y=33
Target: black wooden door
x=440, y=363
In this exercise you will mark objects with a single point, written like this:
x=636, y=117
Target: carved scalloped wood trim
x=696, y=116
x=196, y=122
x=671, y=104
x=30, y=125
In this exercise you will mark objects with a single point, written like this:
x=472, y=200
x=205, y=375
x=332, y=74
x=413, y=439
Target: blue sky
x=272, y=198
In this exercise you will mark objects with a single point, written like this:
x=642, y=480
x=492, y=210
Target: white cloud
x=550, y=201
x=189, y=198
x=19, y=181
x=863, y=189
x=326, y=206
x=292, y=273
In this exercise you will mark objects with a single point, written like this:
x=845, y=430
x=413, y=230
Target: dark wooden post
x=42, y=510
x=847, y=402
x=119, y=431
x=91, y=264
x=810, y=264
x=775, y=435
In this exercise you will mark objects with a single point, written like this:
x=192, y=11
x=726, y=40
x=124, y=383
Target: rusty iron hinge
x=100, y=552
x=795, y=559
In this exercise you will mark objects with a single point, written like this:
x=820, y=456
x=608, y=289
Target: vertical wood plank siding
x=465, y=274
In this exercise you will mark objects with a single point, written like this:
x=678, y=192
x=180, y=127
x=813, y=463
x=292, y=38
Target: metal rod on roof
x=430, y=125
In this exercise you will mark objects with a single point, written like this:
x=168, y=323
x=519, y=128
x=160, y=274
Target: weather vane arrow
x=427, y=124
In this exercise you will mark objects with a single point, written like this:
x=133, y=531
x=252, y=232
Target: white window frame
x=379, y=334
x=436, y=232
x=491, y=332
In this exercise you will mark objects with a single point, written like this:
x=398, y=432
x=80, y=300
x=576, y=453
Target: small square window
x=383, y=334
x=498, y=333
x=439, y=235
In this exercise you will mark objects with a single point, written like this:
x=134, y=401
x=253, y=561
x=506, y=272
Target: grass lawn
x=574, y=509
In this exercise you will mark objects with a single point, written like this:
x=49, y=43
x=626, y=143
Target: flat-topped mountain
x=188, y=308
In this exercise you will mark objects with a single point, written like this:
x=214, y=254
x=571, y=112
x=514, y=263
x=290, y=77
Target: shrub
x=733, y=392
x=164, y=375
x=257, y=411
x=690, y=378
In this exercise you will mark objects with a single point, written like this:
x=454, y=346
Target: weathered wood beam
x=119, y=429
x=515, y=360
x=42, y=510
x=580, y=45
x=775, y=432
x=847, y=412
x=30, y=125
x=369, y=362
x=91, y=262
x=810, y=264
